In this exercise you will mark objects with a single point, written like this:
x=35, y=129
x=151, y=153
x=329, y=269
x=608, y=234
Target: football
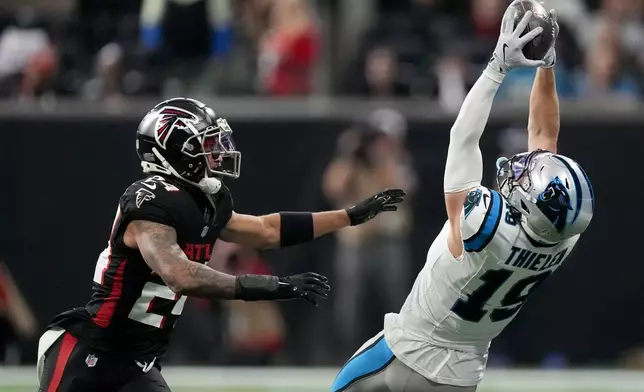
x=537, y=49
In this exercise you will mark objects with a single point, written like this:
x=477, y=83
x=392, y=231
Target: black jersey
x=132, y=312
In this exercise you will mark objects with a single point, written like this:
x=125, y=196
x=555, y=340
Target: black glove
x=308, y=286
x=369, y=208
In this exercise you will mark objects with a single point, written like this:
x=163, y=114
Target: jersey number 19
x=472, y=308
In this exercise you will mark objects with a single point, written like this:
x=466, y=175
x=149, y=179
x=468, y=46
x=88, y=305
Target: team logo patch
x=472, y=200
x=91, y=360
x=169, y=119
x=143, y=195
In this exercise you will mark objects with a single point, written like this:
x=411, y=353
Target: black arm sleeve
x=296, y=228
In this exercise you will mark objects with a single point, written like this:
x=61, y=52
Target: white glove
x=551, y=57
x=509, y=49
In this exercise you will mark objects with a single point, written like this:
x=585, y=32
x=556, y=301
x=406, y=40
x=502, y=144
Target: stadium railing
x=322, y=107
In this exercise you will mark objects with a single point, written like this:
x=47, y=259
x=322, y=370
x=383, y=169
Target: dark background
x=61, y=179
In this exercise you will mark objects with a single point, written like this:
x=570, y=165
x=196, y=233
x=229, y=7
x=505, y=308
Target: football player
x=161, y=241
x=494, y=250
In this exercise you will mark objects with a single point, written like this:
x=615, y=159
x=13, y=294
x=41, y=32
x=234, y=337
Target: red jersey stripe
x=66, y=348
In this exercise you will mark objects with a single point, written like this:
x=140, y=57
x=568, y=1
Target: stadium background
x=77, y=75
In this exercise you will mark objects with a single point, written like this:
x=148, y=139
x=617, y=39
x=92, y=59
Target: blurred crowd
x=106, y=50
x=437, y=48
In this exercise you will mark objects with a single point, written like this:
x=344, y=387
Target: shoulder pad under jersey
x=152, y=199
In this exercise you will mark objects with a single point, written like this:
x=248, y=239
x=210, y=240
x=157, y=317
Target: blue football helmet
x=551, y=192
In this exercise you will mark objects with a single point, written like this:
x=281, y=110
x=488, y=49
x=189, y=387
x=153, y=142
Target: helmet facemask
x=216, y=146
x=515, y=173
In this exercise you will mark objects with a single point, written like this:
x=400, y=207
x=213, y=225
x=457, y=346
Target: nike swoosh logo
x=151, y=186
x=145, y=367
x=505, y=46
x=486, y=197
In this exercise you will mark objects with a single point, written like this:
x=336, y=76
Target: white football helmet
x=551, y=192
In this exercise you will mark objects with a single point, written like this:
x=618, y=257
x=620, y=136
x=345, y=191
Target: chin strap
x=209, y=185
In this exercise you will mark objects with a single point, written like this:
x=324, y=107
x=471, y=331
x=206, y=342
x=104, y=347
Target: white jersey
x=457, y=306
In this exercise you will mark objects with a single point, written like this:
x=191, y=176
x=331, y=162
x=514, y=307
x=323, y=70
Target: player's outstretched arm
x=292, y=228
x=543, y=123
x=464, y=166
x=158, y=246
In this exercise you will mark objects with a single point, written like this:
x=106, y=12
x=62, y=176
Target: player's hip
x=416, y=331
x=375, y=368
x=67, y=363
x=122, y=337
x=436, y=358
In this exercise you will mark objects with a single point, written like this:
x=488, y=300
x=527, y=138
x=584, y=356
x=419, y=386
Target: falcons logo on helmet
x=169, y=119
x=143, y=195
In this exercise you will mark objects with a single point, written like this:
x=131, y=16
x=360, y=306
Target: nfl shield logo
x=91, y=360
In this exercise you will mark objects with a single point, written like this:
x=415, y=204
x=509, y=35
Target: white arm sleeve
x=464, y=167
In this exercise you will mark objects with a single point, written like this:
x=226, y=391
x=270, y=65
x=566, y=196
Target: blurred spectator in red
x=28, y=61
x=16, y=318
x=255, y=330
x=39, y=74
x=289, y=50
x=485, y=15
x=482, y=29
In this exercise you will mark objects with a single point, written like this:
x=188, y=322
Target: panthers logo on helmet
x=554, y=202
x=169, y=119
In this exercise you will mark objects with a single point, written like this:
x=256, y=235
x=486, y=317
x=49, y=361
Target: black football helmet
x=185, y=138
